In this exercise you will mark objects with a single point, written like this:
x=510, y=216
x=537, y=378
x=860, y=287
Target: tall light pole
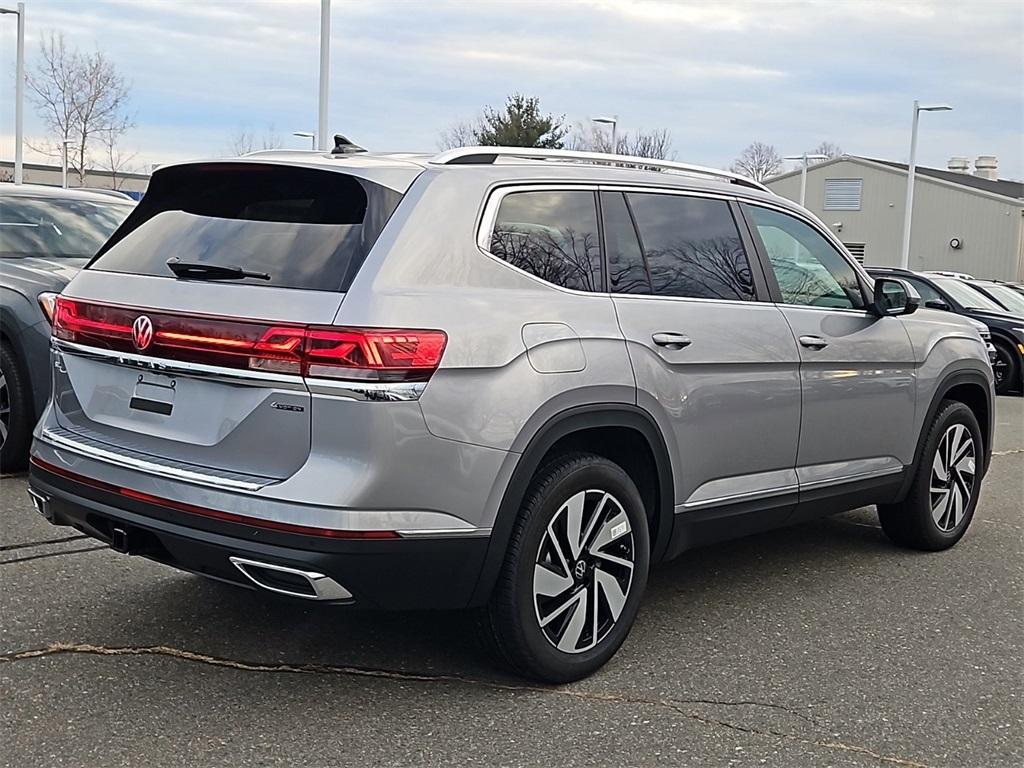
x=614, y=123
x=64, y=163
x=803, y=171
x=19, y=95
x=911, y=170
x=325, y=71
x=306, y=135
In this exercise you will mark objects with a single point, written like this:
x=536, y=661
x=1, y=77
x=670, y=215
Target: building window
x=843, y=194
x=856, y=250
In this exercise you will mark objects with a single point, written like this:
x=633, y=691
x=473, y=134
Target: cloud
x=716, y=75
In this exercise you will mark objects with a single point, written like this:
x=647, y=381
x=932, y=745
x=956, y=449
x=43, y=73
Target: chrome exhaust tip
x=293, y=582
x=41, y=504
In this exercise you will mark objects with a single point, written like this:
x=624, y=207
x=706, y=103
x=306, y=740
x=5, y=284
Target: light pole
x=614, y=123
x=19, y=95
x=325, y=71
x=64, y=163
x=306, y=135
x=911, y=170
x=803, y=171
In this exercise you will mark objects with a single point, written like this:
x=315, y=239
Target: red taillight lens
x=383, y=355
x=365, y=354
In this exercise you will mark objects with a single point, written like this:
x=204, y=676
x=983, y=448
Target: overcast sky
x=717, y=75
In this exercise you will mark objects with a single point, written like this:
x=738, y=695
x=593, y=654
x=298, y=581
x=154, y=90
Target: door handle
x=813, y=342
x=671, y=340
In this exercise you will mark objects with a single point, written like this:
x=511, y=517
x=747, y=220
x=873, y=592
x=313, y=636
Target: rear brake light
x=48, y=303
x=363, y=354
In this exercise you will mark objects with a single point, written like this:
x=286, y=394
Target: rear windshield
x=304, y=228
x=61, y=227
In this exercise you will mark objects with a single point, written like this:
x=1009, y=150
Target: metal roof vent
x=959, y=165
x=985, y=167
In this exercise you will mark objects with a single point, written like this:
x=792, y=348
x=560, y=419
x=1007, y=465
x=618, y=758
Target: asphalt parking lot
x=815, y=645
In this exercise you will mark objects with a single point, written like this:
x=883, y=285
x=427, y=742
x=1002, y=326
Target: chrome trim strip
x=850, y=478
x=422, y=533
x=370, y=391
x=745, y=496
x=180, y=368
x=132, y=460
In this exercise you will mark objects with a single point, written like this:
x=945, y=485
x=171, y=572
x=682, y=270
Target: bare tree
x=460, y=134
x=244, y=141
x=80, y=97
x=758, y=161
x=6, y=175
x=656, y=144
x=828, y=149
x=115, y=160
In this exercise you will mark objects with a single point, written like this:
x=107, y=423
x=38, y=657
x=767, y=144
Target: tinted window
x=627, y=272
x=48, y=226
x=692, y=247
x=306, y=229
x=810, y=272
x=965, y=295
x=552, y=235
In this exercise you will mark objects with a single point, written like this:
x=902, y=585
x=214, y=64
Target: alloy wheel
x=5, y=409
x=952, y=478
x=1000, y=367
x=583, y=571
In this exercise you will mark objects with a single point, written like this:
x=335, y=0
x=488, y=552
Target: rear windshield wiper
x=201, y=271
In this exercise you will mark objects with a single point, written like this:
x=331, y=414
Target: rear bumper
x=434, y=573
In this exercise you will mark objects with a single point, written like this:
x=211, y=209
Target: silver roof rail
x=488, y=155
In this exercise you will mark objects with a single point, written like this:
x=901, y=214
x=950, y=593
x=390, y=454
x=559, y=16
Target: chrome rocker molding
x=91, y=449
x=323, y=587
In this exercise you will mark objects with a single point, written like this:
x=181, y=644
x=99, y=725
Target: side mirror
x=937, y=304
x=894, y=297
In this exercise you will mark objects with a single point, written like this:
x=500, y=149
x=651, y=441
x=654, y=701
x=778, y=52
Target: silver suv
x=502, y=379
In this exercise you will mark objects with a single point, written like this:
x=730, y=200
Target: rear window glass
x=48, y=226
x=304, y=228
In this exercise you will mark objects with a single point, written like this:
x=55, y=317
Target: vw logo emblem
x=580, y=570
x=142, y=332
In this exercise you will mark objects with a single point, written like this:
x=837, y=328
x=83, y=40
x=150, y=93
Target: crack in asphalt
x=674, y=705
x=1011, y=452
x=51, y=554
x=44, y=542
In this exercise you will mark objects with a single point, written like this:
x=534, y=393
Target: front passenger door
x=856, y=369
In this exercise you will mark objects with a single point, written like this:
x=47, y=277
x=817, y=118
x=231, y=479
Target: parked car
x=46, y=235
x=954, y=295
x=1011, y=300
x=497, y=378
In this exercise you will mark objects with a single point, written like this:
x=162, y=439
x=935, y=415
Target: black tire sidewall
x=591, y=473
x=1012, y=379
x=952, y=413
x=14, y=453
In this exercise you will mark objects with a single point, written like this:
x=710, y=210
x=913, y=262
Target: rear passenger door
x=714, y=359
x=857, y=369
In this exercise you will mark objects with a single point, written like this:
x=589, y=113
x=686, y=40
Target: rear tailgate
x=200, y=374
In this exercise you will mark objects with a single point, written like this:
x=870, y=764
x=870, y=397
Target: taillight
x=362, y=354
x=48, y=303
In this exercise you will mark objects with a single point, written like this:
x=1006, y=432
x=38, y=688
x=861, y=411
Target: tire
x=1006, y=367
x=15, y=413
x=536, y=581
x=941, y=503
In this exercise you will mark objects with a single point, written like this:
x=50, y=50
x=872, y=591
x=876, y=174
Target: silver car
x=501, y=379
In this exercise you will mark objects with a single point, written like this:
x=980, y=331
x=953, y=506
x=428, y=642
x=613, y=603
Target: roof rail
x=488, y=155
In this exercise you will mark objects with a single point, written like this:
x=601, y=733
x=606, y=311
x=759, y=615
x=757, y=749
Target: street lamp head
x=606, y=120
x=935, y=108
x=805, y=157
x=303, y=134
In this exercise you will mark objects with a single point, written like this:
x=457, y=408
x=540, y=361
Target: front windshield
x=53, y=226
x=966, y=296
x=1009, y=298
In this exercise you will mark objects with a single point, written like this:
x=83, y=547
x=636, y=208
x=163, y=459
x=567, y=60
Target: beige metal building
x=39, y=173
x=963, y=221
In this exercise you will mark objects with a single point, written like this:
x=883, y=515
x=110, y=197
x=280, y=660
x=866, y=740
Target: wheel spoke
x=612, y=592
x=571, y=602
x=615, y=527
x=3, y=432
x=957, y=507
x=557, y=546
x=570, y=639
x=939, y=507
x=574, y=522
x=939, y=466
x=594, y=520
x=614, y=559
x=548, y=583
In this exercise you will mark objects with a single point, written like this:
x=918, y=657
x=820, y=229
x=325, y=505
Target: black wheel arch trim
x=565, y=423
x=954, y=379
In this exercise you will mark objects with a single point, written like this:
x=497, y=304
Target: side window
x=627, y=272
x=810, y=272
x=927, y=292
x=552, y=235
x=691, y=247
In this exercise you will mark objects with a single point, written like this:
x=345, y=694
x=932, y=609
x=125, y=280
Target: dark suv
x=955, y=295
